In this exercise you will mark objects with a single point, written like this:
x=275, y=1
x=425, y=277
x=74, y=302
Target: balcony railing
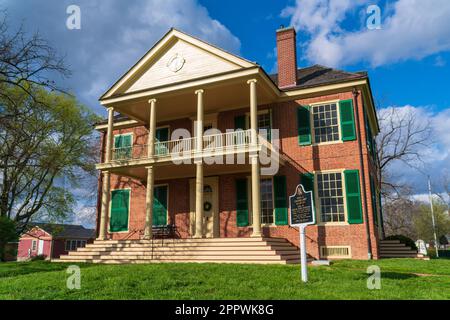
x=235, y=140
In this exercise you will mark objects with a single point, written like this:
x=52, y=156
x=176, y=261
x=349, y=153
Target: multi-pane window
x=331, y=197
x=72, y=245
x=264, y=122
x=325, y=120
x=33, y=245
x=266, y=201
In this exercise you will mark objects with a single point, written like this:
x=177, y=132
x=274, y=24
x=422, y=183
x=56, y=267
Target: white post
x=432, y=218
x=303, y=259
x=199, y=168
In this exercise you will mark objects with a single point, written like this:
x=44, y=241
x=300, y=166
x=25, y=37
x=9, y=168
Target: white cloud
x=84, y=216
x=114, y=35
x=412, y=29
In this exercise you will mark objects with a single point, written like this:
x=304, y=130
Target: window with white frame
x=72, y=245
x=331, y=197
x=325, y=123
x=266, y=201
x=264, y=123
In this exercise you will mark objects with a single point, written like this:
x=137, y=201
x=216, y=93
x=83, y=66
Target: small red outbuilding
x=52, y=240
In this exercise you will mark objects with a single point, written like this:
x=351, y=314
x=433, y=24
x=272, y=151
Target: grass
x=347, y=279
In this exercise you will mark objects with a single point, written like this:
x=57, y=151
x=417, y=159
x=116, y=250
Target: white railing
x=186, y=147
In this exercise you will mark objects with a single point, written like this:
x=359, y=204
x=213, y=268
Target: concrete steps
x=221, y=250
x=396, y=249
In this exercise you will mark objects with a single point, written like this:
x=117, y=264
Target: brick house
x=52, y=240
x=190, y=127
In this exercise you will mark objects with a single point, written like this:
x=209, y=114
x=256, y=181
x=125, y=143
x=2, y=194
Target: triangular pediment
x=176, y=58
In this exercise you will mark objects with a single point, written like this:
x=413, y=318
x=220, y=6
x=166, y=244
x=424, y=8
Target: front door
x=41, y=247
x=120, y=210
x=210, y=207
x=160, y=205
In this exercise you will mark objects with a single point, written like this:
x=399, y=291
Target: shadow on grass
x=397, y=275
x=12, y=269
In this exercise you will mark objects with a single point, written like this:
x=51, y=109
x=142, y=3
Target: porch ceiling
x=223, y=95
x=171, y=171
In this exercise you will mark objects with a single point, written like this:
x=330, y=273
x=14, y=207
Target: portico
x=152, y=162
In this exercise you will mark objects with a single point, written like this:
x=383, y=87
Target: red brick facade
x=300, y=159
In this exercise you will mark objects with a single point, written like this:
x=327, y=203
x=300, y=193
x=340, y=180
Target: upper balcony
x=185, y=150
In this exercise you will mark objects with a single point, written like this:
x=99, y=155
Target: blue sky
x=408, y=59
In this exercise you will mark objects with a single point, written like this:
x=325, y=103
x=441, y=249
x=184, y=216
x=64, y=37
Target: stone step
x=116, y=261
x=181, y=248
x=202, y=252
x=399, y=253
x=389, y=241
x=387, y=245
x=395, y=255
x=191, y=240
x=239, y=250
x=187, y=245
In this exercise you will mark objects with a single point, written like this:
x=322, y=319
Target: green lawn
x=401, y=279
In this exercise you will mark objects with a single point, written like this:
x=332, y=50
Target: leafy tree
x=46, y=149
x=423, y=224
x=7, y=234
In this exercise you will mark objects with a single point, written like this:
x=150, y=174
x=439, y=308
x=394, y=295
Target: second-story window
x=264, y=123
x=325, y=123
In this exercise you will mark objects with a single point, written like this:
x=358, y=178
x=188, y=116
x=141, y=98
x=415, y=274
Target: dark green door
x=120, y=207
x=160, y=206
x=161, y=135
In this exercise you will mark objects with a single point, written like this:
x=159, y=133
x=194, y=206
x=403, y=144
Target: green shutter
x=353, y=196
x=307, y=180
x=120, y=204
x=304, y=126
x=348, y=131
x=280, y=197
x=161, y=135
x=122, y=145
x=241, y=203
x=374, y=200
x=239, y=122
x=160, y=206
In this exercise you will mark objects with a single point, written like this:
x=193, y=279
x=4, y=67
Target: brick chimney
x=287, y=57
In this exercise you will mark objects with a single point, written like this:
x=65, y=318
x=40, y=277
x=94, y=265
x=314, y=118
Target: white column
x=254, y=159
x=106, y=177
x=151, y=128
x=149, y=194
x=199, y=168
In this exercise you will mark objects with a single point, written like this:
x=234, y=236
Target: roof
x=66, y=230
x=117, y=118
x=154, y=51
x=318, y=75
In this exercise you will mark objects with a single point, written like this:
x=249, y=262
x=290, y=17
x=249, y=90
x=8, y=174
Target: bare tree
x=399, y=215
x=26, y=60
x=403, y=137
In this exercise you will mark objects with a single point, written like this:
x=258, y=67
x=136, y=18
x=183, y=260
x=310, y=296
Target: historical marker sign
x=301, y=205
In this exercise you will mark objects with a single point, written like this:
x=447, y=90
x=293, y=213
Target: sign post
x=301, y=205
